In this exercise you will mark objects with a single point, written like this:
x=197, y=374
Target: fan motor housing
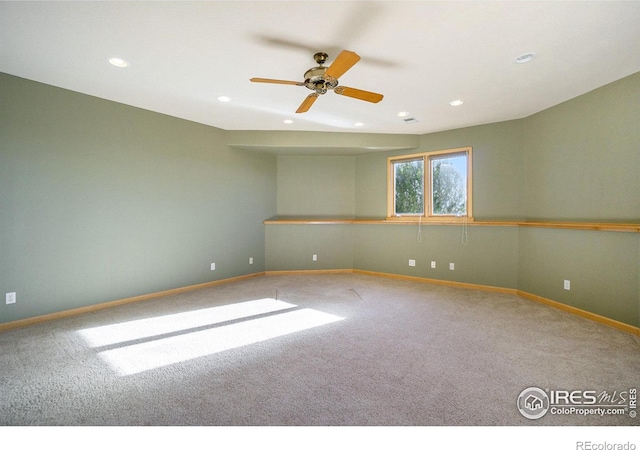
x=317, y=80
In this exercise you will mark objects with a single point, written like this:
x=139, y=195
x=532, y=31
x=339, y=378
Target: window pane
x=409, y=187
x=449, y=184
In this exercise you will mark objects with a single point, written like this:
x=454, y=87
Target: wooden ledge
x=619, y=227
x=624, y=227
x=393, y=221
x=309, y=221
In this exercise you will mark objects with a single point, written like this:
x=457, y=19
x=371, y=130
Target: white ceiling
x=419, y=54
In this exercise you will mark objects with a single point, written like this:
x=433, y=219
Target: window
x=434, y=185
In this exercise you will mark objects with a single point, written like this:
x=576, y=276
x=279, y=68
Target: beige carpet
x=343, y=349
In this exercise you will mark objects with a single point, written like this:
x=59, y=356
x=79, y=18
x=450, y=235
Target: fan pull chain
x=465, y=232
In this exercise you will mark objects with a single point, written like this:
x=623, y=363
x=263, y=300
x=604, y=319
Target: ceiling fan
x=321, y=79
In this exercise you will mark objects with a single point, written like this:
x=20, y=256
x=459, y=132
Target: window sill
x=432, y=219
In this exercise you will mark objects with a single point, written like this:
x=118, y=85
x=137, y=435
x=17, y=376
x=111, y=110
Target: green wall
x=582, y=163
x=291, y=247
x=497, y=171
x=312, y=186
x=488, y=255
x=485, y=256
x=582, y=157
x=101, y=201
x=578, y=161
x=601, y=266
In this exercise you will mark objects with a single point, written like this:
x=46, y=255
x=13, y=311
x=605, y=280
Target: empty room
x=313, y=214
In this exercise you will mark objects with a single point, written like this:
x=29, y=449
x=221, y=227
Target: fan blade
x=359, y=94
x=306, y=104
x=343, y=62
x=269, y=80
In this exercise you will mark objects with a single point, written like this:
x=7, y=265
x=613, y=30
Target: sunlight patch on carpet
x=155, y=326
x=132, y=358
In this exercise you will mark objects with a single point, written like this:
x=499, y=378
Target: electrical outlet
x=452, y=266
x=315, y=257
x=213, y=266
x=10, y=298
x=412, y=262
x=433, y=264
x=251, y=260
x=567, y=285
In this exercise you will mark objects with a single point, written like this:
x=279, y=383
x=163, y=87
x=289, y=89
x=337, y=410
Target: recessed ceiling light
x=118, y=62
x=402, y=114
x=525, y=58
x=288, y=121
x=358, y=124
x=456, y=103
x=224, y=99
